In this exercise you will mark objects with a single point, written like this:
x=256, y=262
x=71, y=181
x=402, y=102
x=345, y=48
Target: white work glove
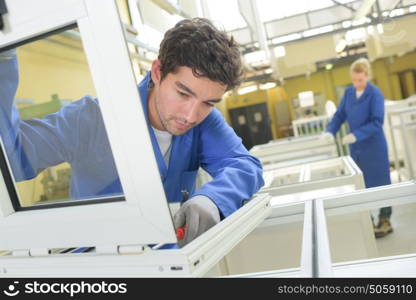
x=327, y=136
x=6, y=55
x=349, y=139
x=198, y=214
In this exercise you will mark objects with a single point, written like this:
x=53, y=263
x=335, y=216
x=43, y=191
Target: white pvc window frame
x=194, y=260
x=402, y=114
x=373, y=198
x=294, y=150
x=353, y=176
x=316, y=256
x=144, y=216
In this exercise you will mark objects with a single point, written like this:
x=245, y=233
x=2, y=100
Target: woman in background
x=362, y=106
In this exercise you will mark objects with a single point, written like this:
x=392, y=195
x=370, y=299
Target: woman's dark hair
x=209, y=52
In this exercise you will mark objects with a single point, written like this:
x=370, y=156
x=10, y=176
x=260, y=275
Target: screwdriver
x=180, y=232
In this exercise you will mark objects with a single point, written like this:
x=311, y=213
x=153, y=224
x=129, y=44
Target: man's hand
x=349, y=139
x=6, y=55
x=327, y=136
x=198, y=214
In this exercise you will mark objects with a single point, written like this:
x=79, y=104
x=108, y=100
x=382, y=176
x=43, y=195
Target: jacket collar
x=144, y=87
x=365, y=92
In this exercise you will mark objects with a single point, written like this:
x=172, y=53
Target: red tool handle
x=180, y=233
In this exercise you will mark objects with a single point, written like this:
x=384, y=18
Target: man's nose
x=192, y=112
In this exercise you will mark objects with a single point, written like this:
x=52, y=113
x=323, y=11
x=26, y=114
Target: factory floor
x=403, y=238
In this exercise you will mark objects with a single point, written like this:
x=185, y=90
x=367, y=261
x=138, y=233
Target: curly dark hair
x=209, y=52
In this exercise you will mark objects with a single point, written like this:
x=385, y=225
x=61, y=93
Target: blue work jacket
x=76, y=134
x=365, y=117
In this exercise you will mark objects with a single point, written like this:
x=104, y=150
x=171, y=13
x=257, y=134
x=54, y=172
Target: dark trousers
x=385, y=212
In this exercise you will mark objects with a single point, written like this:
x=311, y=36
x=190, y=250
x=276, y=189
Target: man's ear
x=156, y=71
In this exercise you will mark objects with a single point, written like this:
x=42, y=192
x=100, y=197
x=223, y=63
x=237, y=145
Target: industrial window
x=52, y=129
x=64, y=55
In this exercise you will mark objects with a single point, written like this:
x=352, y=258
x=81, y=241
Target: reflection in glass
x=351, y=235
x=285, y=176
x=53, y=134
x=329, y=169
x=270, y=247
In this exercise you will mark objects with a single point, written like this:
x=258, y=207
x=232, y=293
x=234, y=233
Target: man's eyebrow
x=185, y=88
x=214, y=100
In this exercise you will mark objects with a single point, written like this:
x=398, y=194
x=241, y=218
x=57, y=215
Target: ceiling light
x=279, y=51
x=268, y=85
x=255, y=57
x=342, y=43
x=329, y=67
x=247, y=89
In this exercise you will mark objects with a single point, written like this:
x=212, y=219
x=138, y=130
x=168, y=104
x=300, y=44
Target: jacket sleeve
x=35, y=144
x=376, y=119
x=237, y=175
x=339, y=117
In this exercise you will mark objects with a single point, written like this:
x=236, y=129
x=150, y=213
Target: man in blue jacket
x=196, y=65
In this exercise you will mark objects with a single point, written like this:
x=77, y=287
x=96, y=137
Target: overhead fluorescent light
x=286, y=38
x=346, y=24
x=342, y=43
x=355, y=35
x=279, y=51
x=380, y=28
x=329, y=67
x=268, y=85
x=359, y=22
x=247, y=89
x=396, y=12
x=255, y=57
x=319, y=30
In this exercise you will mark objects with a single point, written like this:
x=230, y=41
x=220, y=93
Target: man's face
x=359, y=80
x=181, y=100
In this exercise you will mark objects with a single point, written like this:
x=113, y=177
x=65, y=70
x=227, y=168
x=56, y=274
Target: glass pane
x=272, y=10
x=52, y=128
x=353, y=237
x=319, y=4
x=269, y=10
x=328, y=169
x=402, y=141
x=226, y=14
x=282, y=176
x=274, y=245
x=402, y=240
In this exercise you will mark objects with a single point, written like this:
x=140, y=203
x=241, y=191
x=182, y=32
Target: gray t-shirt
x=164, y=140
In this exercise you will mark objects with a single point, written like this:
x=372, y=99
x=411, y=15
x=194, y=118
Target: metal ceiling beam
x=249, y=11
x=339, y=28
x=364, y=9
x=171, y=8
x=344, y=5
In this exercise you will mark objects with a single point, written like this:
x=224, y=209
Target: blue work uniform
x=365, y=117
x=76, y=134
